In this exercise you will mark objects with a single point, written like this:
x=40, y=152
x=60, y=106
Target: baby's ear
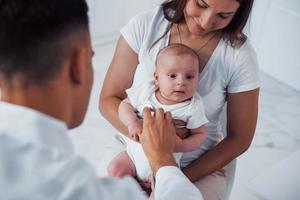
x=155, y=75
x=155, y=78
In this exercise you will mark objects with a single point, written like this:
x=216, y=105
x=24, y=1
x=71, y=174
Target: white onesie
x=190, y=111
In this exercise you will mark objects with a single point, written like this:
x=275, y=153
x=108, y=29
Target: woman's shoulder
x=245, y=49
x=239, y=67
x=143, y=27
x=231, y=57
x=149, y=16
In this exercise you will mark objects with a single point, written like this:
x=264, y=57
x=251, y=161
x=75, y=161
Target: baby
x=175, y=90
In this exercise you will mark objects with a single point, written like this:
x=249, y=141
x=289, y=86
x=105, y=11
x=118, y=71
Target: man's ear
x=77, y=66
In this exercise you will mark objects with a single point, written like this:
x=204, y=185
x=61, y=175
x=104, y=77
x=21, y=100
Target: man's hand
x=158, y=138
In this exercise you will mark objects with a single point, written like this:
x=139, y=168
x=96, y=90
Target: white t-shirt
x=229, y=70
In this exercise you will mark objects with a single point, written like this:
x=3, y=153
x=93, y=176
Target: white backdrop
x=274, y=30
x=107, y=17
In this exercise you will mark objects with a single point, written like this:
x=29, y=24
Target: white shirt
x=229, y=70
x=37, y=162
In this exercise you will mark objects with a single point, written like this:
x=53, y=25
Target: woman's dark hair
x=233, y=33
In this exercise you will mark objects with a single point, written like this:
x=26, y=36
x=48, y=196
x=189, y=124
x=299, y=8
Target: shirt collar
x=33, y=126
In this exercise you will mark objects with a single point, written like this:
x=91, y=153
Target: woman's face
x=205, y=16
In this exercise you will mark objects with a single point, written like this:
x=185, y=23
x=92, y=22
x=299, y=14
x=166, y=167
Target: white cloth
x=191, y=111
x=229, y=70
x=37, y=162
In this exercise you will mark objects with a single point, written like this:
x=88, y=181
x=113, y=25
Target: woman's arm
x=193, y=142
x=118, y=78
x=242, y=109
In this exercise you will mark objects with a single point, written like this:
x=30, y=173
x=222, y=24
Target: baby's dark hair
x=34, y=36
x=179, y=50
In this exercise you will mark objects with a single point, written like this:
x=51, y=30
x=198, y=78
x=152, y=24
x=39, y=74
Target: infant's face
x=177, y=77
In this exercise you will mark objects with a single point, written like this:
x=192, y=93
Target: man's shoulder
x=39, y=168
x=43, y=155
x=47, y=173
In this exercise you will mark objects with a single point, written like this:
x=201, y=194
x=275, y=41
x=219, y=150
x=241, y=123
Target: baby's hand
x=135, y=129
x=181, y=130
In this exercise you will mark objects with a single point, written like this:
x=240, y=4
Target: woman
x=213, y=28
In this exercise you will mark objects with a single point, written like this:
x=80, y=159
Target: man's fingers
x=159, y=114
x=168, y=117
x=146, y=115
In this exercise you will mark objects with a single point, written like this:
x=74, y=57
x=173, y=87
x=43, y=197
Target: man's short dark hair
x=33, y=36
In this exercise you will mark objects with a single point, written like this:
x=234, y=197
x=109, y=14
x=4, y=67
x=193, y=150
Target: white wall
x=107, y=17
x=275, y=32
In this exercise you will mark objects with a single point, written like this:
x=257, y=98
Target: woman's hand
x=181, y=130
x=158, y=138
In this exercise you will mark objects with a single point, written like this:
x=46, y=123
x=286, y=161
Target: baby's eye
x=172, y=76
x=189, y=77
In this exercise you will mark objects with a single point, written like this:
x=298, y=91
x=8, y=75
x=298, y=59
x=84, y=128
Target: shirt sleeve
x=81, y=182
x=171, y=183
x=244, y=75
x=44, y=173
x=134, y=32
x=198, y=117
x=40, y=172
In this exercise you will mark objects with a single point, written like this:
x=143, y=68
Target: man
x=46, y=77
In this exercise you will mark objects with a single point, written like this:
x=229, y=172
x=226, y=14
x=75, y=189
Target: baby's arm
x=193, y=142
x=129, y=119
